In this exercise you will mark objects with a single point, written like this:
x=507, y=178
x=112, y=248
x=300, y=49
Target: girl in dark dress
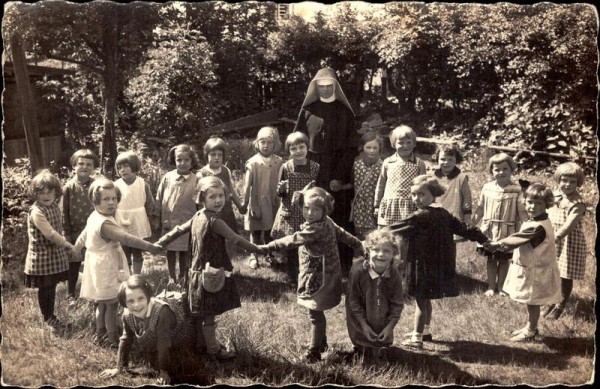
x=431, y=264
x=208, y=254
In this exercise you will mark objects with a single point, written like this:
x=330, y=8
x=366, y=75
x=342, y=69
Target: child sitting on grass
x=533, y=277
x=374, y=300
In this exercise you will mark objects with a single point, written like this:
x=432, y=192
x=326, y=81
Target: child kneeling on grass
x=152, y=324
x=374, y=300
x=533, y=277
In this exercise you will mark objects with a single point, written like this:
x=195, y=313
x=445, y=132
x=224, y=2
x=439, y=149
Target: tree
x=104, y=38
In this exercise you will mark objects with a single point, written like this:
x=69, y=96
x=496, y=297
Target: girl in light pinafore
x=566, y=217
x=533, y=277
x=135, y=207
x=501, y=212
x=294, y=175
x=105, y=262
x=260, y=189
x=176, y=196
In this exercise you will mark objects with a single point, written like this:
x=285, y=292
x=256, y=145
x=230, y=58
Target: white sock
x=426, y=330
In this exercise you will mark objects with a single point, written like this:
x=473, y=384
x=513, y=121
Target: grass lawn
x=270, y=333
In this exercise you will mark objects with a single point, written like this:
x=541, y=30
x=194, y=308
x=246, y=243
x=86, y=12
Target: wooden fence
x=17, y=148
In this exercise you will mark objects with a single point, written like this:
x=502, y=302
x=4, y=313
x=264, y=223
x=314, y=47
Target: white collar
x=374, y=275
x=330, y=99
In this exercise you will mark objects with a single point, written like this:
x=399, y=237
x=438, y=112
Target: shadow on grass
x=261, y=289
x=469, y=285
x=583, y=308
x=271, y=372
x=477, y=352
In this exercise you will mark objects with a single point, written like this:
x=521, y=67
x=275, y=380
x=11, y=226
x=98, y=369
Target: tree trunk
x=108, y=150
x=28, y=109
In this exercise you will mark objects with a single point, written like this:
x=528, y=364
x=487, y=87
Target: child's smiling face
x=567, y=184
x=136, y=302
x=446, y=162
x=535, y=207
x=421, y=196
x=380, y=256
x=502, y=173
x=215, y=159
x=83, y=168
x=404, y=146
x=183, y=162
x=312, y=212
x=298, y=152
x=108, y=202
x=46, y=197
x=214, y=199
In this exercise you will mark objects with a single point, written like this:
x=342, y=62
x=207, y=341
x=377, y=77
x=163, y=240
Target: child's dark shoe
x=312, y=356
x=547, y=310
x=556, y=313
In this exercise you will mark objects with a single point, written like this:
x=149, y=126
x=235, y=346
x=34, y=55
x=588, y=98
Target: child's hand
x=243, y=209
x=109, y=373
x=386, y=335
x=368, y=332
x=264, y=249
x=163, y=378
x=156, y=249
x=76, y=254
x=468, y=220
x=282, y=187
x=376, y=213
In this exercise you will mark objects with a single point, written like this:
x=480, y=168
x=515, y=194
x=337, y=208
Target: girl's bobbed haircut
x=102, y=183
x=84, y=153
x=369, y=137
x=213, y=144
x=268, y=132
x=295, y=138
x=383, y=235
x=402, y=131
x=430, y=183
x=451, y=150
x=319, y=197
x=497, y=159
x=539, y=191
x=570, y=169
x=130, y=158
x=136, y=281
x=183, y=148
x=209, y=182
x=42, y=180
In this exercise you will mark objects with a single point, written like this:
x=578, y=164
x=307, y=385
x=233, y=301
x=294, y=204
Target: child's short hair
x=130, y=158
x=430, y=183
x=383, y=235
x=42, y=180
x=183, y=148
x=295, y=138
x=497, y=159
x=212, y=144
x=539, y=191
x=402, y=131
x=268, y=132
x=319, y=197
x=451, y=150
x=369, y=137
x=136, y=281
x=570, y=169
x=209, y=182
x=84, y=153
x=94, y=193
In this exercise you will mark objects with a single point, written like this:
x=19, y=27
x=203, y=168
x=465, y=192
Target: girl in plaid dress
x=294, y=175
x=365, y=173
x=566, y=217
x=392, y=197
x=46, y=263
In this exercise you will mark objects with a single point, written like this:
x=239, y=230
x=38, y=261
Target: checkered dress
x=44, y=258
x=571, y=250
x=396, y=203
x=365, y=182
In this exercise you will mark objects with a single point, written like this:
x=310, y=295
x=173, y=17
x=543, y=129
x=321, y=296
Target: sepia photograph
x=350, y=194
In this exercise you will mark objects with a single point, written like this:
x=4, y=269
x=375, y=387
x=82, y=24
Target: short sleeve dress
x=264, y=200
x=572, y=249
x=365, y=182
x=131, y=211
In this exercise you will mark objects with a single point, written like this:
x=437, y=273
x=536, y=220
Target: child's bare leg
x=183, y=263
x=503, y=265
x=492, y=273
x=100, y=322
x=429, y=311
x=255, y=237
x=137, y=261
x=73, y=275
x=110, y=320
x=534, y=316
x=171, y=258
x=421, y=313
x=318, y=342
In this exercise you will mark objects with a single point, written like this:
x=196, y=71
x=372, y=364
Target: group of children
x=407, y=237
